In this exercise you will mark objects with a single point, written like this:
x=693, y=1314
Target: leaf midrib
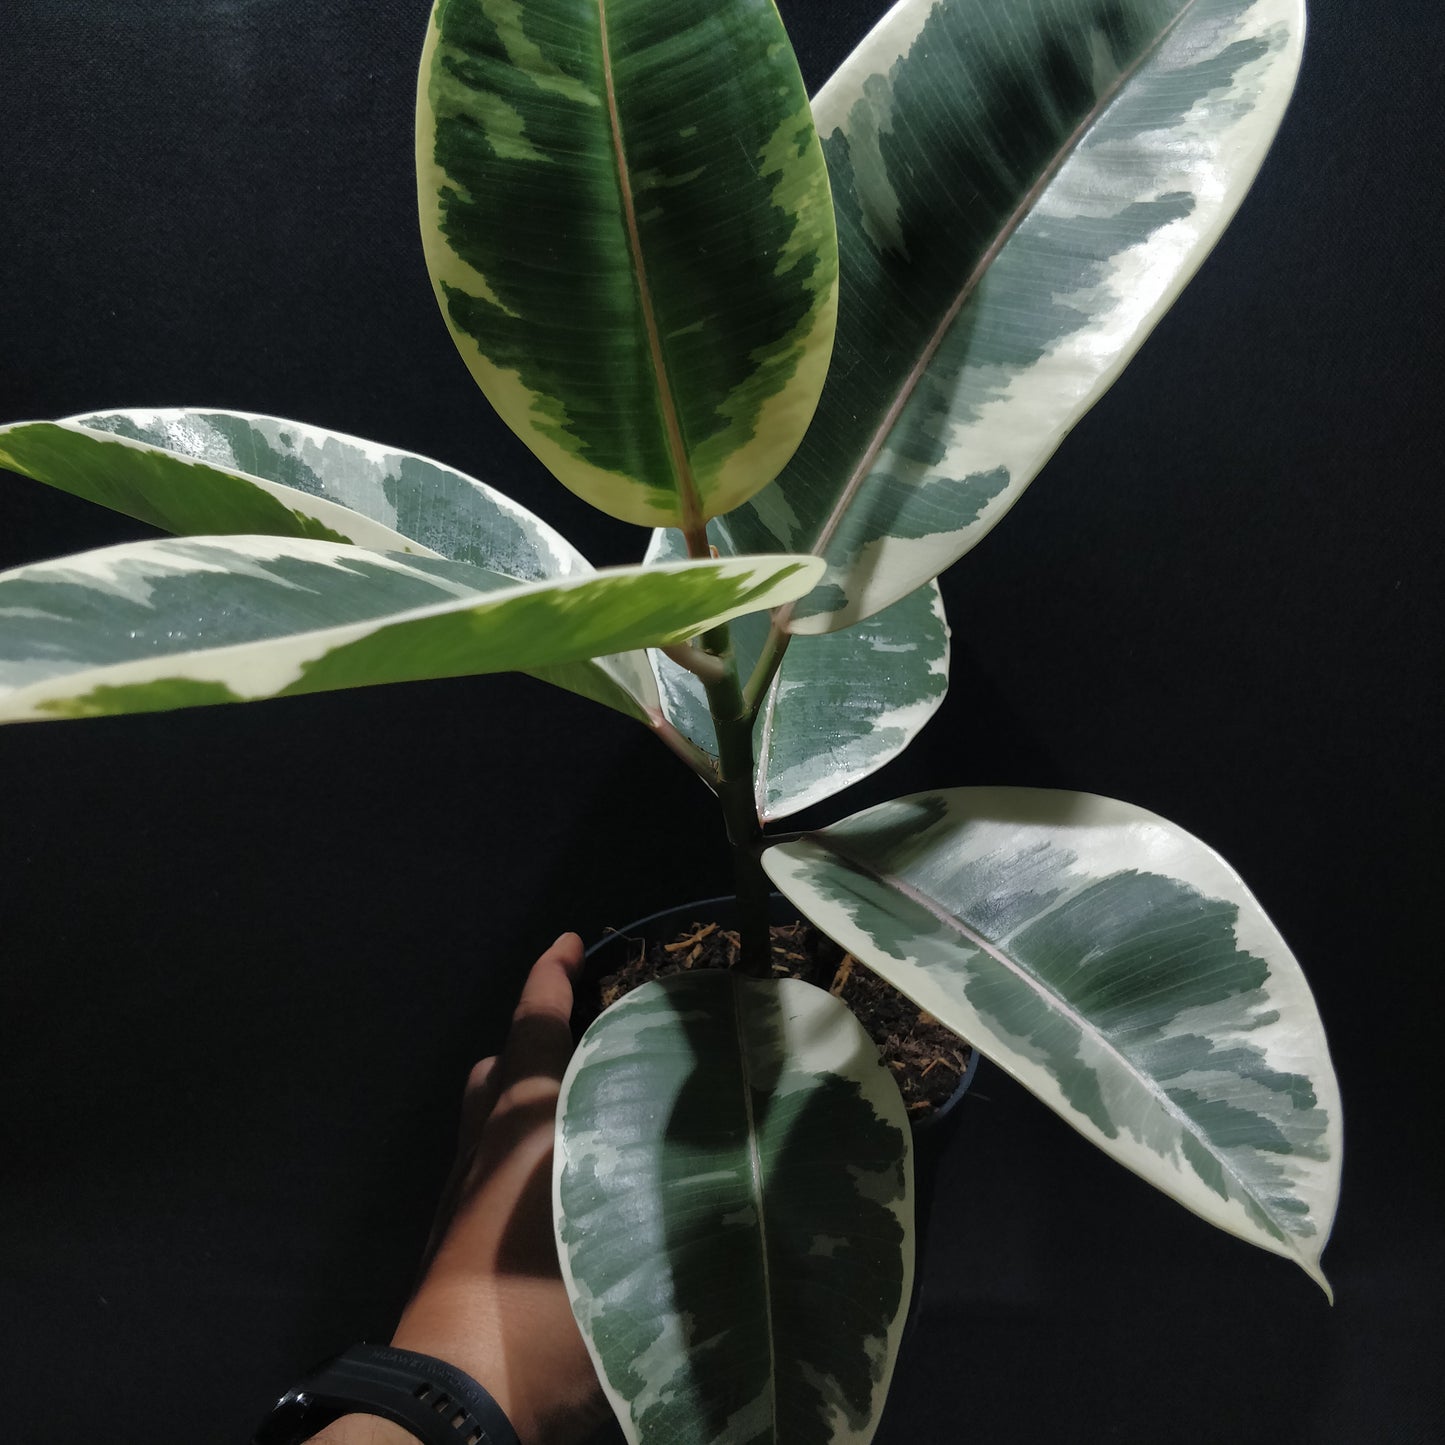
x=1020, y=213
x=951, y=920
x=755, y=1165
x=683, y=479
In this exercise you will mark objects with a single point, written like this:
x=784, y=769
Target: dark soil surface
x=927, y=1059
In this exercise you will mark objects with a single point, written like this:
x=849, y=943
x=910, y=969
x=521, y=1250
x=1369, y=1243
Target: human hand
x=491, y=1299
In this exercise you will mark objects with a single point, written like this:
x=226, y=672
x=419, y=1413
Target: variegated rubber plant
x=626, y=213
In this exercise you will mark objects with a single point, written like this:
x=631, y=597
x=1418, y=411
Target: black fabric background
x=246, y=954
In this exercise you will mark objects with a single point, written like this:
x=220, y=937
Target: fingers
x=548, y=989
x=540, y=1042
x=509, y=1102
x=483, y=1085
x=481, y=1072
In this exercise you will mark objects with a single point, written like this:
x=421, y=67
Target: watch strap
x=438, y=1403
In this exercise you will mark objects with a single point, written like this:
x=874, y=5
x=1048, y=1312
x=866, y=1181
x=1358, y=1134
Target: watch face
x=294, y=1418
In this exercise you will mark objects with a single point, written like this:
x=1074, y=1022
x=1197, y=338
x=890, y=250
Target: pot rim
x=778, y=904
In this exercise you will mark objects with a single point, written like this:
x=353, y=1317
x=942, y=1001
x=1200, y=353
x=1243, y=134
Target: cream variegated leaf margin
x=1022, y=190
x=195, y=471
x=172, y=470
x=842, y=705
x=733, y=1204
x=1116, y=967
x=625, y=214
x=177, y=623
x=433, y=508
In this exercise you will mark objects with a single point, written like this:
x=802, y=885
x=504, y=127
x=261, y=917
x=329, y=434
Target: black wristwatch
x=438, y=1403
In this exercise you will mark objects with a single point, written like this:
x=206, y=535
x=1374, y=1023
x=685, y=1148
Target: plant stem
x=701, y=664
x=733, y=724
x=769, y=660
x=732, y=720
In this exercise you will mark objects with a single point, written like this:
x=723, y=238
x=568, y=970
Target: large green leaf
x=193, y=471
x=1116, y=967
x=178, y=623
x=625, y=214
x=733, y=1182
x=842, y=705
x=1023, y=187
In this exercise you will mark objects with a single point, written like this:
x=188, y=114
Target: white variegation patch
x=633, y=673
x=861, y=81
x=776, y=513
x=1001, y=910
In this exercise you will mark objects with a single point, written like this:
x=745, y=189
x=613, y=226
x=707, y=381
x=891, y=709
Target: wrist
x=363, y=1430
x=504, y=1336
x=463, y=1328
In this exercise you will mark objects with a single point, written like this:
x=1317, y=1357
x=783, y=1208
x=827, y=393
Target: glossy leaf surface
x=177, y=623
x=181, y=475
x=1116, y=967
x=625, y=214
x=430, y=505
x=1022, y=190
x=843, y=704
x=207, y=472
x=733, y=1181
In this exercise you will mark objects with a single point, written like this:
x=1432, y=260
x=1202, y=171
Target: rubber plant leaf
x=182, y=622
x=1022, y=190
x=842, y=704
x=733, y=1202
x=205, y=472
x=1116, y=967
x=625, y=213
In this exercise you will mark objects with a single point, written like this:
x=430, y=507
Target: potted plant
x=660, y=261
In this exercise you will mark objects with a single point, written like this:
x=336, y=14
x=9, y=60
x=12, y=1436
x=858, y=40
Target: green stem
x=734, y=727
x=732, y=720
x=769, y=661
